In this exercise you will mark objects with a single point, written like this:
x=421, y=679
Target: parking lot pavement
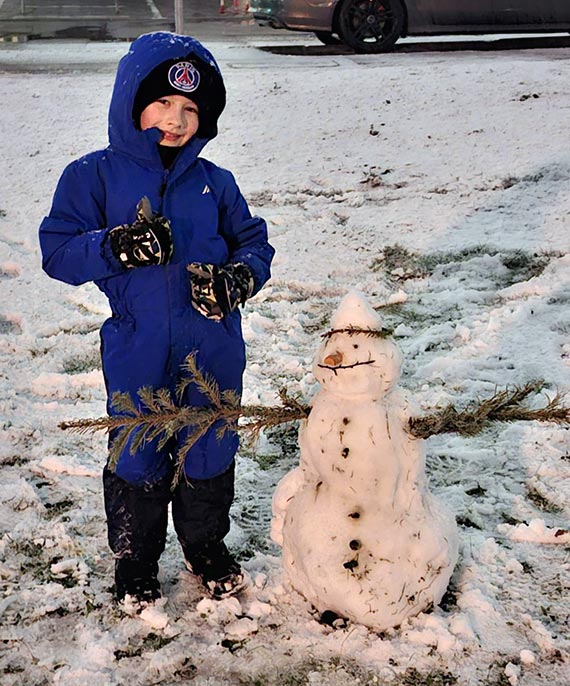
x=81, y=12
x=126, y=19
x=80, y=18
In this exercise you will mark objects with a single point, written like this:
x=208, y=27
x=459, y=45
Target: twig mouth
x=335, y=368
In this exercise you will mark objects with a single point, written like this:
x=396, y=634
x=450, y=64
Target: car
x=371, y=26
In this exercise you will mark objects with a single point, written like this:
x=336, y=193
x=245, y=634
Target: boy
x=168, y=237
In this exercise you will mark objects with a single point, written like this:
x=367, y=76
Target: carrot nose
x=334, y=359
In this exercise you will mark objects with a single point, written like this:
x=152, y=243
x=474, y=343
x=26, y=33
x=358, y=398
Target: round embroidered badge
x=184, y=76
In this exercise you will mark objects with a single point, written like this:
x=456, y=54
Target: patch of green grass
x=521, y=265
x=286, y=438
x=540, y=501
x=150, y=643
x=82, y=364
x=265, y=461
x=465, y=522
x=496, y=673
x=56, y=509
x=346, y=671
x=253, y=544
x=413, y=677
x=419, y=265
x=32, y=561
x=153, y=642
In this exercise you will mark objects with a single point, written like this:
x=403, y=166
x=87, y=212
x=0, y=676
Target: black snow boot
x=137, y=518
x=136, y=579
x=217, y=569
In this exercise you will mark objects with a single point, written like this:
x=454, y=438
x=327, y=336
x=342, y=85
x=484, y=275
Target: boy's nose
x=177, y=119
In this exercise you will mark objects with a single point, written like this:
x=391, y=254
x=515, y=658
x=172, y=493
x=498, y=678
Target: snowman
x=361, y=534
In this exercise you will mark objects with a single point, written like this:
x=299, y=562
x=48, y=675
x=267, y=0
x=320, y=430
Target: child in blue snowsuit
x=132, y=218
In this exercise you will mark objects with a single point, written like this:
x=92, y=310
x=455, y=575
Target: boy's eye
x=191, y=109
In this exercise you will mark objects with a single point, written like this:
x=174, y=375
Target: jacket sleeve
x=245, y=235
x=72, y=236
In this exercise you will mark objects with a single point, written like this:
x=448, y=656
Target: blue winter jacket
x=153, y=326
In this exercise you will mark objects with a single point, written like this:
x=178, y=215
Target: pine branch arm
x=503, y=406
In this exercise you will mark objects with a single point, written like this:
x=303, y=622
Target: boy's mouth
x=170, y=137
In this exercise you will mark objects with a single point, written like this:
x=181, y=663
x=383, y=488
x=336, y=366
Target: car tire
x=371, y=26
x=327, y=38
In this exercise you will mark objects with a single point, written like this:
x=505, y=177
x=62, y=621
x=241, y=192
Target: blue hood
x=146, y=53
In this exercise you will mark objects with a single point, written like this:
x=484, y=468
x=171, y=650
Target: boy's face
x=175, y=115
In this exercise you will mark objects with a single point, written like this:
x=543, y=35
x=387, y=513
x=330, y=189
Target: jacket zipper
x=163, y=184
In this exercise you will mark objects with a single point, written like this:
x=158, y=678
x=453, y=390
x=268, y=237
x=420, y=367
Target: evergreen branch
x=198, y=431
x=503, y=406
x=181, y=387
x=230, y=398
x=163, y=400
x=119, y=444
x=205, y=383
x=109, y=423
x=124, y=404
x=148, y=401
x=133, y=430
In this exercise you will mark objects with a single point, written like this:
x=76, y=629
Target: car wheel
x=327, y=38
x=370, y=25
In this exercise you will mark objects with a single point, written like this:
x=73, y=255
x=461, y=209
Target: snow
x=458, y=158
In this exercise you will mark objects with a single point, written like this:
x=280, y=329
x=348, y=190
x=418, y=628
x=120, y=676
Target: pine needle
x=146, y=395
x=205, y=383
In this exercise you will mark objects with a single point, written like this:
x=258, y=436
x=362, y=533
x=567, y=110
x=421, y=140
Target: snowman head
x=356, y=357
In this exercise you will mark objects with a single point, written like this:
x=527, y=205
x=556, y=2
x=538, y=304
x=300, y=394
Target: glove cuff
x=244, y=281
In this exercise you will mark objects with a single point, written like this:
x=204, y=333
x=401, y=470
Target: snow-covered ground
x=436, y=183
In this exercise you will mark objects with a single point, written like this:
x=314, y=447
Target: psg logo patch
x=184, y=76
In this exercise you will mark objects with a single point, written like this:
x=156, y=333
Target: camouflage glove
x=148, y=240
x=217, y=291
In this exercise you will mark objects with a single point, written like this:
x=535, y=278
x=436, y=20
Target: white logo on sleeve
x=206, y=189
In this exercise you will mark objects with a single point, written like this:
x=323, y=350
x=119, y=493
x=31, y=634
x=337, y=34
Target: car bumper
x=296, y=15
